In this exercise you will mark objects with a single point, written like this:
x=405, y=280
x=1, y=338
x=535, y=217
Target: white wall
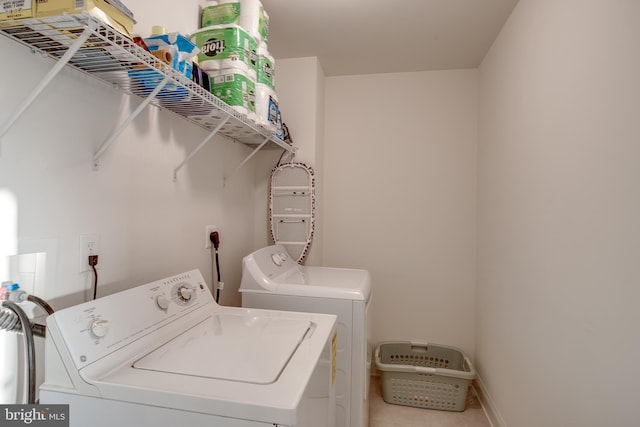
x=301, y=97
x=557, y=299
x=400, y=198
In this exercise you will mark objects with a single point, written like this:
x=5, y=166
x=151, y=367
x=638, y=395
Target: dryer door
x=291, y=208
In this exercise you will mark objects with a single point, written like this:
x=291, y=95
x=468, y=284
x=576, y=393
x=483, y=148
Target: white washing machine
x=271, y=279
x=165, y=354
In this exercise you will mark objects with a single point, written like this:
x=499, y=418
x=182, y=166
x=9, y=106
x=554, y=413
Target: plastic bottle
x=14, y=293
x=158, y=30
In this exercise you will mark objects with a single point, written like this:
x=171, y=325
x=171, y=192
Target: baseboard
x=488, y=406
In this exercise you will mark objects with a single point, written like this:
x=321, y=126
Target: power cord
x=215, y=244
x=93, y=261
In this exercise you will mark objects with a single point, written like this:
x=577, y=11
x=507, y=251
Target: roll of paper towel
x=251, y=14
x=234, y=87
x=265, y=67
x=164, y=55
x=263, y=26
x=225, y=46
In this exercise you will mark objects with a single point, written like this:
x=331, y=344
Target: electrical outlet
x=207, y=232
x=89, y=245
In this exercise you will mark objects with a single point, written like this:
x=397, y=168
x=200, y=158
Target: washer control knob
x=185, y=293
x=99, y=328
x=162, y=302
x=277, y=260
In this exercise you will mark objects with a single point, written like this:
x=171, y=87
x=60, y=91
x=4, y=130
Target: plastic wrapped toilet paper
x=163, y=55
x=181, y=50
x=263, y=26
x=225, y=46
x=220, y=14
x=265, y=69
x=234, y=87
x=267, y=110
x=254, y=19
x=249, y=14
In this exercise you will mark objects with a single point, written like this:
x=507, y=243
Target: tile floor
x=382, y=414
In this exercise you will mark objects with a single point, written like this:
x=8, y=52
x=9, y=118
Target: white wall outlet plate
x=89, y=245
x=207, y=232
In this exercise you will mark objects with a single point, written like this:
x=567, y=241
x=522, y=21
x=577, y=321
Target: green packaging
x=235, y=89
x=226, y=13
x=265, y=71
x=263, y=25
x=229, y=43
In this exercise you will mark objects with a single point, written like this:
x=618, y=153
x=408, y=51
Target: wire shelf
x=114, y=58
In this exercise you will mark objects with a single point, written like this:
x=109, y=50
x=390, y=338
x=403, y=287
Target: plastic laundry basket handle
x=425, y=370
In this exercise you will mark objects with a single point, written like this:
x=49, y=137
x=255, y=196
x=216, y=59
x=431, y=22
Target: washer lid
x=243, y=348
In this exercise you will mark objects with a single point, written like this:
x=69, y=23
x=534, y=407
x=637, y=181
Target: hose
x=9, y=321
x=23, y=323
x=42, y=303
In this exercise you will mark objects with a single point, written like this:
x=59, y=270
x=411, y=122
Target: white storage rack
x=95, y=48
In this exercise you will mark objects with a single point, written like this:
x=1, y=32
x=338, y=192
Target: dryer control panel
x=97, y=328
x=272, y=261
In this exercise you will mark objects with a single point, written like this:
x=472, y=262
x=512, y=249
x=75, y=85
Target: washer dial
x=277, y=259
x=162, y=302
x=183, y=293
x=99, y=328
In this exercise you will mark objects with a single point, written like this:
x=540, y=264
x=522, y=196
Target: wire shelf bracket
x=199, y=147
x=53, y=72
x=255, y=150
x=107, y=143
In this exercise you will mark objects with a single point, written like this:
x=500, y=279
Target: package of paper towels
x=181, y=51
x=254, y=19
x=215, y=13
x=234, y=87
x=225, y=46
x=249, y=14
x=265, y=69
x=267, y=109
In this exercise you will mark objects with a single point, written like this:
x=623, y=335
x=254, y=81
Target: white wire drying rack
x=88, y=45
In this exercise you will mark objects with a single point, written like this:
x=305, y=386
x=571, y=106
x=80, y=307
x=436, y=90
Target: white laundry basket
x=424, y=375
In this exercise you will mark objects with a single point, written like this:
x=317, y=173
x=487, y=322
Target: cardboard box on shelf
x=16, y=9
x=99, y=9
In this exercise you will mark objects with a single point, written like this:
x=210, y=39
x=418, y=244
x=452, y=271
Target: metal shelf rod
x=199, y=147
x=53, y=72
x=106, y=144
x=258, y=148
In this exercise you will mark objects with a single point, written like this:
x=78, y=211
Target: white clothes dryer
x=271, y=279
x=165, y=354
